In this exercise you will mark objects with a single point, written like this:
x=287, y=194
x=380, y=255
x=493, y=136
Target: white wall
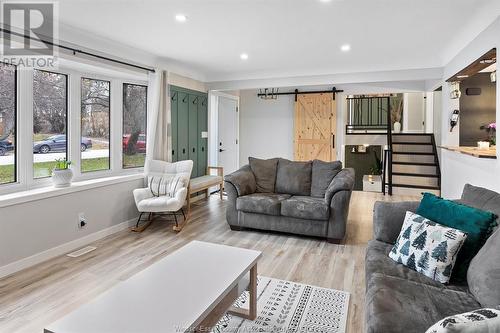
x=38, y=228
x=458, y=169
x=266, y=126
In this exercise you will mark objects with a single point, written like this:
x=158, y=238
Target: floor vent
x=81, y=251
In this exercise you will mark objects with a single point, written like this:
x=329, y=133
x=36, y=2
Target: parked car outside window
x=57, y=143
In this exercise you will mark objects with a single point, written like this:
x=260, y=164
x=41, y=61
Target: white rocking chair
x=166, y=192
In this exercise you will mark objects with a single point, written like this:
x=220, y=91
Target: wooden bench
x=203, y=183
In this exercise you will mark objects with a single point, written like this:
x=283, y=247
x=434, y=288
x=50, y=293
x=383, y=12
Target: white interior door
x=414, y=113
x=227, y=144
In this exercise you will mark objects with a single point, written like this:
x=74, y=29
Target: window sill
x=50, y=191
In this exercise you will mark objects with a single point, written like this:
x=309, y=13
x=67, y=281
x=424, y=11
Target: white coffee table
x=189, y=290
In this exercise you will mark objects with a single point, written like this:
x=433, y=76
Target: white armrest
x=180, y=195
x=141, y=194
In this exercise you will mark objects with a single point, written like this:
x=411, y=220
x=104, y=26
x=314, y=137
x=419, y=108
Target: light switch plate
x=204, y=135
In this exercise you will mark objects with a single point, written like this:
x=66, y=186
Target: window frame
x=74, y=71
x=66, y=75
x=110, y=118
x=146, y=131
x=16, y=183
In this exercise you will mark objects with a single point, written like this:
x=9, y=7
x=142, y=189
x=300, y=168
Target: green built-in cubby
x=189, y=123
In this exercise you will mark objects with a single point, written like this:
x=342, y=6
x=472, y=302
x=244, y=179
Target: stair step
x=412, y=143
x=414, y=163
x=420, y=134
x=417, y=186
x=411, y=153
x=415, y=174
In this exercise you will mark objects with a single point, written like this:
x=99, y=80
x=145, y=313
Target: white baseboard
x=63, y=248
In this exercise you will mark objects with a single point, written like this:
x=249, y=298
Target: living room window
x=8, y=108
x=50, y=108
x=95, y=125
x=69, y=114
x=134, y=125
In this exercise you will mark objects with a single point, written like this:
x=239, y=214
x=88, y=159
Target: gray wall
x=33, y=227
x=266, y=126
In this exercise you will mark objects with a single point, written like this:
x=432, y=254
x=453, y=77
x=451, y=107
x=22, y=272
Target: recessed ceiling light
x=325, y=0
x=243, y=56
x=181, y=18
x=345, y=48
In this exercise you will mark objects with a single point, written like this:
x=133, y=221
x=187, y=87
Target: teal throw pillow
x=478, y=225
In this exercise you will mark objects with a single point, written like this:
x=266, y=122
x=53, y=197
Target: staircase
x=413, y=167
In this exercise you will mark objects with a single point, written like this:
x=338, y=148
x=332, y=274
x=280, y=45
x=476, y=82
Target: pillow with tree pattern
x=477, y=321
x=427, y=247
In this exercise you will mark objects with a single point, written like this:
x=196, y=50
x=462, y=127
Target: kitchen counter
x=473, y=151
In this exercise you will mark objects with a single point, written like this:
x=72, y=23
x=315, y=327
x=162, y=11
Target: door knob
x=221, y=150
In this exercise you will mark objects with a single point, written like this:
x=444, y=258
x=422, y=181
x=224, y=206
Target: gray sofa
x=399, y=299
x=304, y=198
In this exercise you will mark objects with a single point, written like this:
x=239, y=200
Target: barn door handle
x=183, y=150
x=333, y=141
x=193, y=150
x=173, y=152
x=202, y=149
x=221, y=150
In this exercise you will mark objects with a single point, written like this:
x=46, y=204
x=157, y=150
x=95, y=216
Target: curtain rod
x=75, y=51
x=296, y=92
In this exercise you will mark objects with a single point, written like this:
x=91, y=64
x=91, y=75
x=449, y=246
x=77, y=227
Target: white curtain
x=159, y=140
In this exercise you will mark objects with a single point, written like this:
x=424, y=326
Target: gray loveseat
x=305, y=198
x=399, y=299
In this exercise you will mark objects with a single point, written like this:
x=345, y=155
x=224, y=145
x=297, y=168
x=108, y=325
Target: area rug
x=286, y=307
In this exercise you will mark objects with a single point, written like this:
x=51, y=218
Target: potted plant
x=62, y=174
x=376, y=169
x=396, y=103
x=491, y=130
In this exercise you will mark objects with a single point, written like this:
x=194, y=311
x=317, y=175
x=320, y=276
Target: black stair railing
x=367, y=114
x=389, y=151
x=436, y=160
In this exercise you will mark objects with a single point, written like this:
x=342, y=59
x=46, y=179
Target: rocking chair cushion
x=154, y=204
x=165, y=185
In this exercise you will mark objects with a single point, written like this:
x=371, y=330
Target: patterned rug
x=286, y=307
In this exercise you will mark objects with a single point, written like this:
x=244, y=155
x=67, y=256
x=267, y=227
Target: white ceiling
x=287, y=37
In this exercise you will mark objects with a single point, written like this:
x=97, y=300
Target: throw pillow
x=265, y=173
x=477, y=321
x=427, y=247
x=293, y=177
x=477, y=223
x=165, y=185
x=322, y=175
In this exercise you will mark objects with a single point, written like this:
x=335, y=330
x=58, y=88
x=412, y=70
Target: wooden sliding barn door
x=315, y=121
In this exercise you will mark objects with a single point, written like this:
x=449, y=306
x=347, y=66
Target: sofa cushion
x=302, y=207
x=483, y=275
x=395, y=305
x=322, y=175
x=481, y=198
x=293, y=177
x=377, y=261
x=265, y=173
x=261, y=203
x=476, y=223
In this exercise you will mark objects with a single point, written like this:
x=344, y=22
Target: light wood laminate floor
x=35, y=297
